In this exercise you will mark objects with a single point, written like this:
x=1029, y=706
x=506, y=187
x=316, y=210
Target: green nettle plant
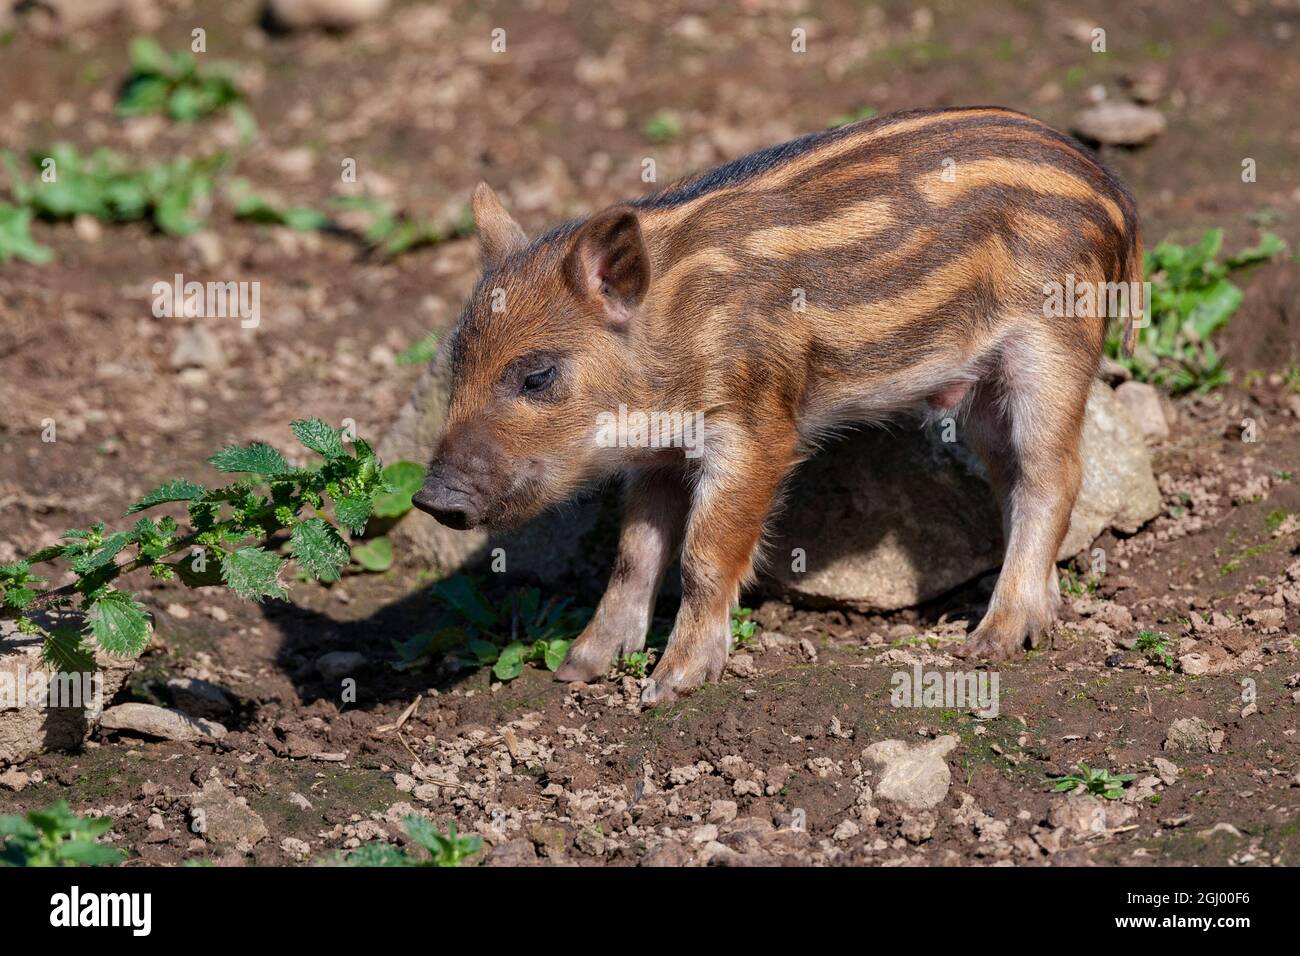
x=174, y=84
x=55, y=837
x=474, y=633
x=1191, y=299
x=226, y=543
x=1155, y=644
x=105, y=186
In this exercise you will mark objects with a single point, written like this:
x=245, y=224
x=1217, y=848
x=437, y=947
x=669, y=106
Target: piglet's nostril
x=451, y=506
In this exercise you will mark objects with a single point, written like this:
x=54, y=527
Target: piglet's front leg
x=654, y=511
x=733, y=496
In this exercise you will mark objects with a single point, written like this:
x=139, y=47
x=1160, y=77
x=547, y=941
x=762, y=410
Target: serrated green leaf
x=352, y=513
x=209, y=576
x=65, y=651
x=375, y=555
x=178, y=490
x=258, y=458
x=113, y=544
x=318, y=549
x=254, y=573
x=119, y=624
x=319, y=437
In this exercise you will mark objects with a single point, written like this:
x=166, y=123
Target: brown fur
x=848, y=276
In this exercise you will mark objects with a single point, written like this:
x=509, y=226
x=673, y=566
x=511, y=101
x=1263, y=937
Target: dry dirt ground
x=766, y=766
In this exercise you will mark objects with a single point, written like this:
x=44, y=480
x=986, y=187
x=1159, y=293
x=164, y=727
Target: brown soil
x=542, y=770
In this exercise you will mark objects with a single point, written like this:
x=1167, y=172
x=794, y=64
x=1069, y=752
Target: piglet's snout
x=449, y=495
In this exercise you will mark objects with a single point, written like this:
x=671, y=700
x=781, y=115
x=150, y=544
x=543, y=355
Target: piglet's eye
x=538, y=381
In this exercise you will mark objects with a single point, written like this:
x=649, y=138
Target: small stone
x=164, y=722
x=1088, y=815
x=1119, y=123
x=742, y=665
x=299, y=801
x=404, y=782
x=847, y=830
x=919, y=827
x=426, y=792
x=198, y=698
x=14, y=779
x=916, y=777
x=295, y=848
x=87, y=228
x=705, y=833
x=337, y=665
x=722, y=811
x=224, y=819
x=1194, y=735
x=1167, y=769
x=196, y=347
x=155, y=822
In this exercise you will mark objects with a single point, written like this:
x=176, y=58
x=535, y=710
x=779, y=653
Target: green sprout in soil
x=16, y=240
x=55, y=837
x=636, y=664
x=663, y=127
x=1155, y=644
x=474, y=632
x=394, y=233
x=1191, y=299
x=449, y=849
x=103, y=185
x=1094, y=780
x=174, y=84
x=742, y=628
x=226, y=543
x=252, y=207
x=1076, y=584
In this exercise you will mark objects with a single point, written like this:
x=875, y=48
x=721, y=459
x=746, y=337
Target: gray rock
x=337, y=665
x=221, y=818
x=1119, y=123
x=164, y=722
x=885, y=520
x=917, y=777
x=198, y=698
x=1142, y=402
x=27, y=730
x=1194, y=735
x=1085, y=814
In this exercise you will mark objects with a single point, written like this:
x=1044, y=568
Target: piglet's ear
x=608, y=263
x=498, y=234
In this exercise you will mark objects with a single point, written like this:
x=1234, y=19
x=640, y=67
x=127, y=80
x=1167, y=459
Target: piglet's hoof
x=653, y=693
x=578, y=668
